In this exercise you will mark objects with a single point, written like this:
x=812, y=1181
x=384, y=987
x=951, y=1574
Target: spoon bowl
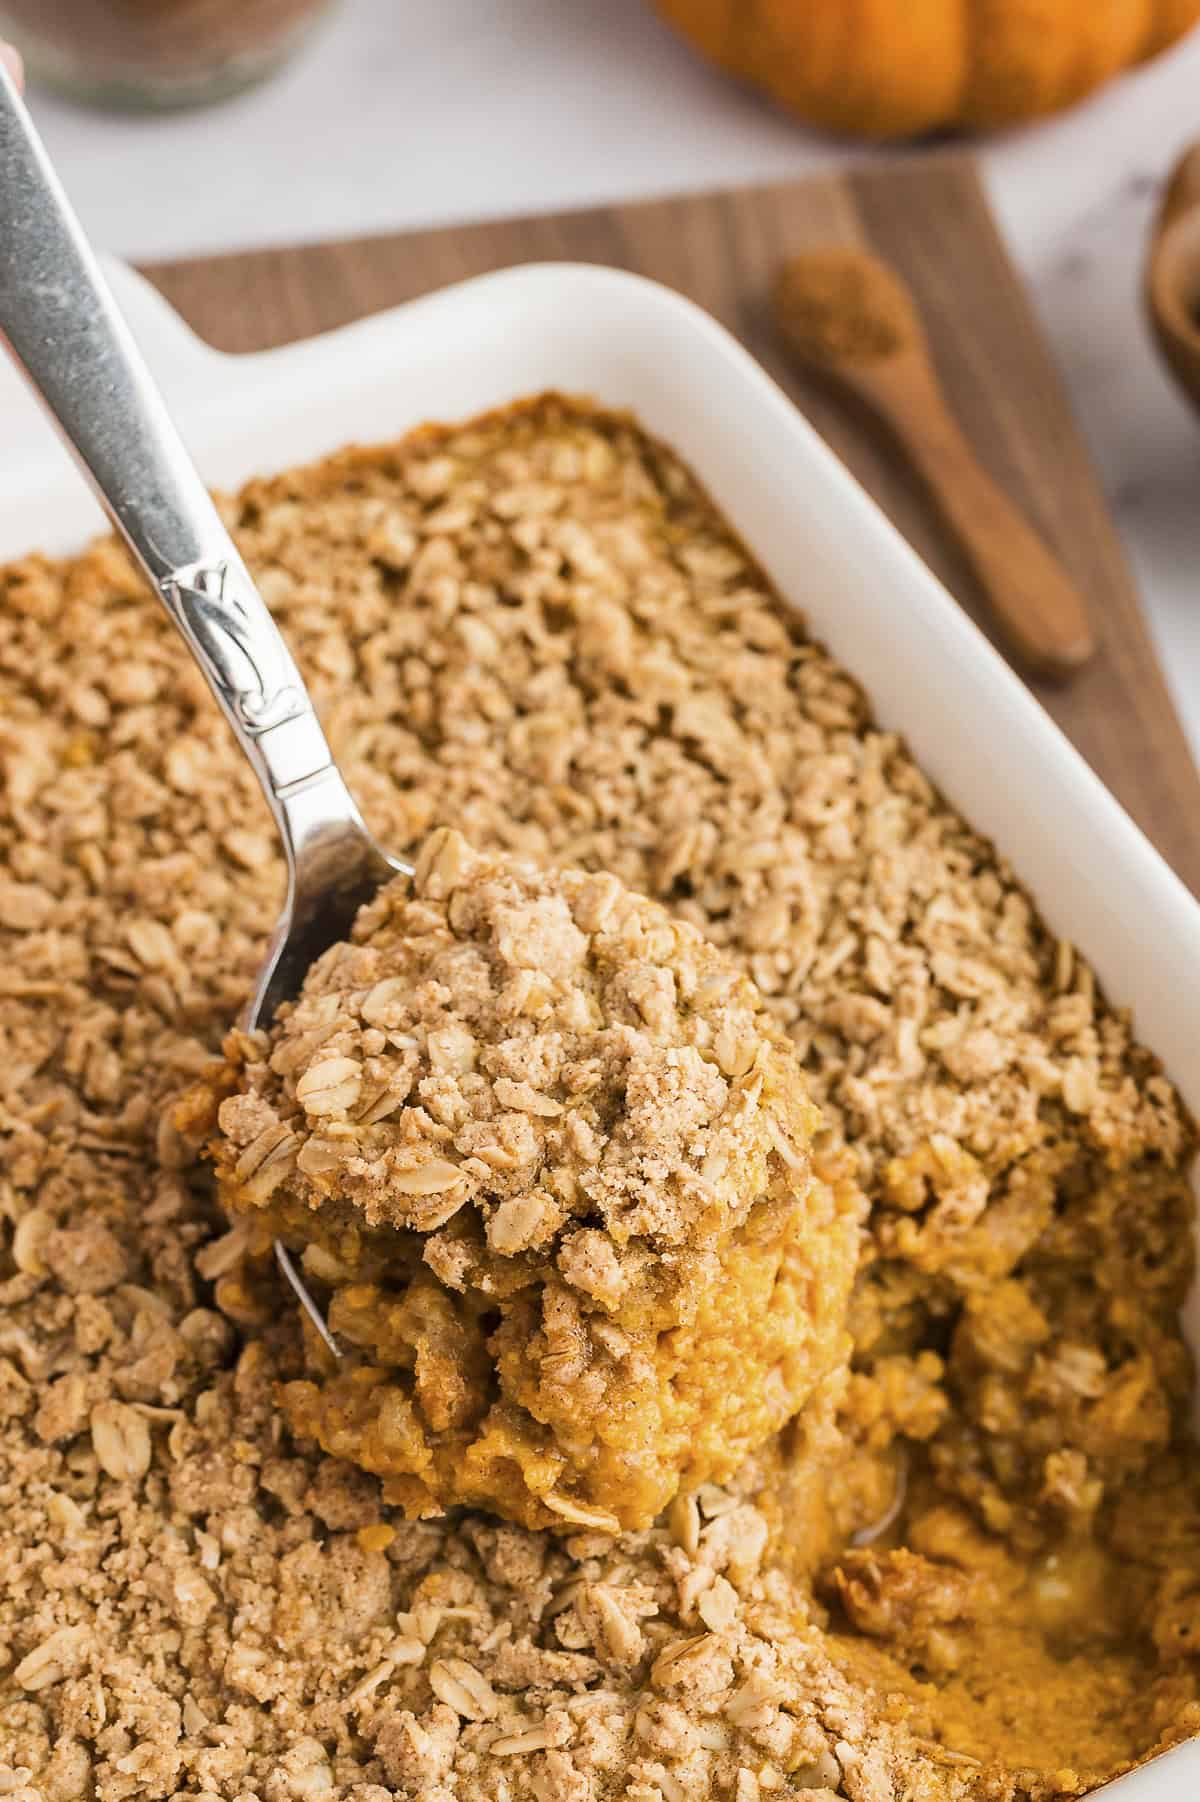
x=336, y=869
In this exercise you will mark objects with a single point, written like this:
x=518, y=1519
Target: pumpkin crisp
x=550, y=1155
x=967, y=1572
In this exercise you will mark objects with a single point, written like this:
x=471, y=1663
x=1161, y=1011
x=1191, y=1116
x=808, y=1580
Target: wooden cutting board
x=928, y=215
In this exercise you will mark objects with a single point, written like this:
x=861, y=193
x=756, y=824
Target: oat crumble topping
x=535, y=629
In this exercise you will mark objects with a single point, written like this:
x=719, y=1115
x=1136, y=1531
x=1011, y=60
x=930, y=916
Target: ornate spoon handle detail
x=64, y=330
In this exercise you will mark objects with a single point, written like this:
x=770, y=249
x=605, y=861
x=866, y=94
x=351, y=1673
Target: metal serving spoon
x=63, y=327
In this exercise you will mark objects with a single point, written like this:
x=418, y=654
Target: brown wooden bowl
x=1173, y=274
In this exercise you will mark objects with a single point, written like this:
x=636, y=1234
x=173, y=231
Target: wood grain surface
x=926, y=214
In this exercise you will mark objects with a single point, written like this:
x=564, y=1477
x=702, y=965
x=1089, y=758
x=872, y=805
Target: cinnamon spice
x=839, y=304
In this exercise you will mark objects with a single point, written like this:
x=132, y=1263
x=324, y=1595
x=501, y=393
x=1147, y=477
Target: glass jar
x=155, y=53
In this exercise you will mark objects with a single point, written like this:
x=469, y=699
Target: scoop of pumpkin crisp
x=550, y=1166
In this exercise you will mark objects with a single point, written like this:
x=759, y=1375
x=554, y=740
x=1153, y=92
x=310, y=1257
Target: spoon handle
x=1035, y=604
x=63, y=327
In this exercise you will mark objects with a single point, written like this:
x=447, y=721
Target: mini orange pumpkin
x=899, y=68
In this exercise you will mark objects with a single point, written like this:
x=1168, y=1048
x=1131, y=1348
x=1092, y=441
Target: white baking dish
x=633, y=344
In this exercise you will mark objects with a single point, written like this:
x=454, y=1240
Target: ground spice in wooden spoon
x=840, y=303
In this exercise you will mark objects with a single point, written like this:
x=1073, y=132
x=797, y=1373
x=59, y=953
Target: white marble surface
x=401, y=114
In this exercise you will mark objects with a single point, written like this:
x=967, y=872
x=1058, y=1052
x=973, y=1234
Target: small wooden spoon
x=849, y=317
x=1173, y=273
